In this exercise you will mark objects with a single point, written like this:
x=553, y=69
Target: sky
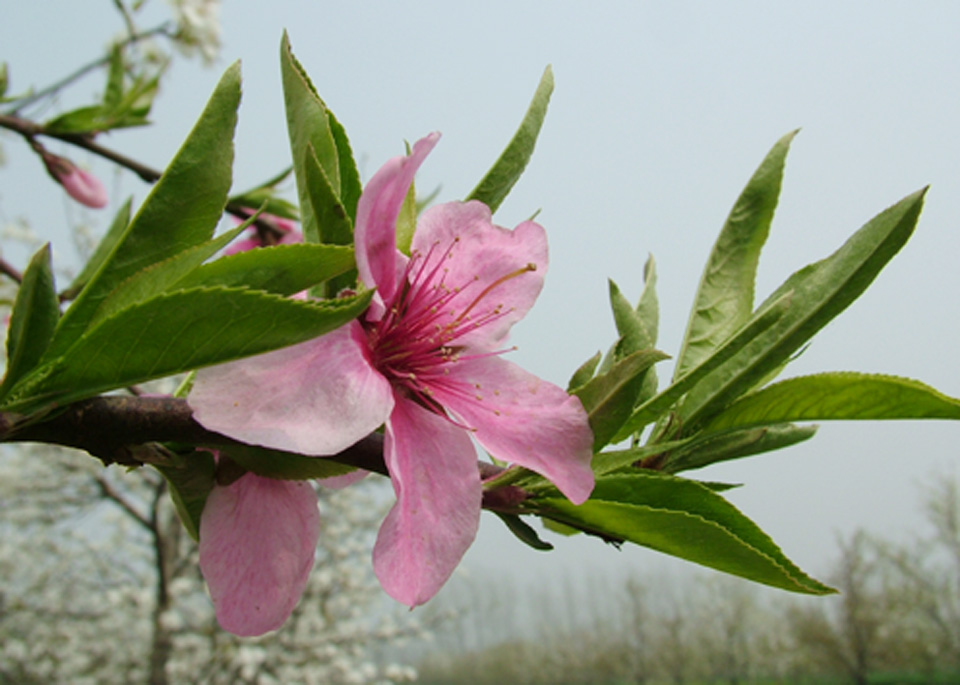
x=661, y=113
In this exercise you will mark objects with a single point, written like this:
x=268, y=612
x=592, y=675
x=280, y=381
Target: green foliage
x=176, y=332
x=123, y=105
x=506, y=171
x=835, y=396
x=189, y=484
x=724, y=300
x=685, y=519
x=718, y=406
x=36, y=312
x=328, y=182
x=181, y=211
x=149, y=304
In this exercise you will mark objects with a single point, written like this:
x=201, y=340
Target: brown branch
x=128, y=430
x=30, y=131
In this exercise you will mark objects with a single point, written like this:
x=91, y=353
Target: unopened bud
x=81, y=185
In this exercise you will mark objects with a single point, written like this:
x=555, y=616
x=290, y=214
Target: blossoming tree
x=379, y=344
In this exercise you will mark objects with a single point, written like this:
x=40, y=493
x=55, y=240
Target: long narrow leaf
x=652, y=409
x=178, y=332
x=838, y=396
x=506, y=171
x=685, y=519
x=724, y=299
x=820, y=292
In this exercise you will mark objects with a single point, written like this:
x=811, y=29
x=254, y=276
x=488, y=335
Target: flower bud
x=81, y=185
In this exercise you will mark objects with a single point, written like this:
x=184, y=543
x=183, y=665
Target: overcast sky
x=661, y=113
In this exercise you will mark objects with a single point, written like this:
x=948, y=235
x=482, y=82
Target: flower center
x=418, y=338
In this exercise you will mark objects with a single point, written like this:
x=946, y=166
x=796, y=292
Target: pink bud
x=81, y=185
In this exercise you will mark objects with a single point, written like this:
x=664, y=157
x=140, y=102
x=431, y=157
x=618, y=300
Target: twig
x=10, y=271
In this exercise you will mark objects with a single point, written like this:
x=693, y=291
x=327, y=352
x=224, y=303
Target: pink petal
x=85, y=188
x=316, y=398
x=481, y=254
x=523, y=420
x=257, y=542
x=433, y=466
x=377, y=212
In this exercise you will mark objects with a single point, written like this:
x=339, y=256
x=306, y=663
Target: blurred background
x=661, y=113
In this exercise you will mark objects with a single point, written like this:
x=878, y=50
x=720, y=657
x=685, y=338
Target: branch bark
x=130, y=430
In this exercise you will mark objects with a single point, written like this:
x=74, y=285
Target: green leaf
x=506, y=171
x=162, y=276
x=189, y=486
x=838, y=396
x=113, y=93
x=280, y=269
x=724, y=299
x=584, y=373
x=651, y=410
x=350, y=188
x=711, y=448
x=181, y=211
x=685, y=519
x=283, y=465
x=820, y=292
x=104, y=249
x=177, y=332
x=333, y=224
x=33, y=319
x=609, y=397
x=524, y=532
x=308, y=125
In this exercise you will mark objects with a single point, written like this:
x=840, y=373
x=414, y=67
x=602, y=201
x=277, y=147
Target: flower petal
x=481, y=255
x=433, y=466
x=377, y=212
x=522, y=419
x=316, y=398
x=257, y=542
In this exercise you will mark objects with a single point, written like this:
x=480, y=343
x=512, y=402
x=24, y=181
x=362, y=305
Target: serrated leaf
x=763, y=320
x=36, y=311
x=181, y=211
x=711, y=448
x=844, y=396
x=103, y=251
x=506, y=171
x=333, y=224
x=609, y=397
x=350, y=187
x=685, y=519
x=280, y=269
x=177, y=332
x=820, y=292
x=189, y=485
x=308, y=126
x=724, y=299
x=162, y=276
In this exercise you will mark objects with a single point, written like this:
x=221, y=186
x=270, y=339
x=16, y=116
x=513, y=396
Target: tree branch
x=128, y=430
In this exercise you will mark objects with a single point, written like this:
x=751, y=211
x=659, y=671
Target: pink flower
x=254, y=239
x=426, y=362
x=258, y=537
x=81, y=185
